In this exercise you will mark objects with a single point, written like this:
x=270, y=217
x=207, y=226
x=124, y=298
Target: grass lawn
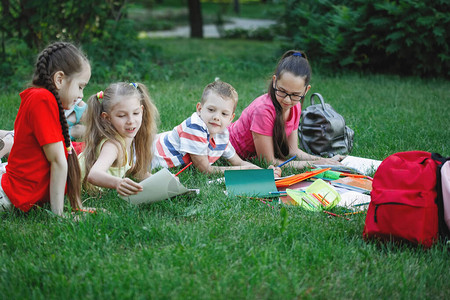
x=209, y=246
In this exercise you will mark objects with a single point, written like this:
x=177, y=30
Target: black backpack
x=322, y=131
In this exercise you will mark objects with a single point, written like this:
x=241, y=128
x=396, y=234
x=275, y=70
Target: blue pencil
x=278, y=193
x=282, y=164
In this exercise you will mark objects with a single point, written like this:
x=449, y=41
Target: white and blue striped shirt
x=172, y=148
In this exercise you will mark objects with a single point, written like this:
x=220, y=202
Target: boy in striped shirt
x=203, y=137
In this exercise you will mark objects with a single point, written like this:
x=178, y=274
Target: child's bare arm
x=201, y=162
x=99, y=176
x=264, y=148
x=58, y=174
x=236, y=160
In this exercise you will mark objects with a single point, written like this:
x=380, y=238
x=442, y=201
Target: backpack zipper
x=377, y=205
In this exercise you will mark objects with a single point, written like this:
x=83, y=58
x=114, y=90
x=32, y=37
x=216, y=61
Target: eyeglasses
x=294, y=98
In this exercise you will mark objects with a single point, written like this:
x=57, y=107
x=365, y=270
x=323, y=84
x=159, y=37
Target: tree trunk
x=236, y=6
x=195, y=18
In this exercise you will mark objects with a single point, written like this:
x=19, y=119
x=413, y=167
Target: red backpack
x=403, y=203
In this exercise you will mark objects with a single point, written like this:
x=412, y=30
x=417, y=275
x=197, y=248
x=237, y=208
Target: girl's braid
x=44, y=64
x=64, y=57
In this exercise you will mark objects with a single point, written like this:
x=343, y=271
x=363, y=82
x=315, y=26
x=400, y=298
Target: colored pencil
x=325, y=200
x=353, y=175
x=354, y=213
x=334, y=215
x=184, y=168
x=308, y=201
x=318, y=199
x=285, y=182
x=266, y=203
x=256, y=198
x=280, y=193
x=283, y=163
x=263, y=200
x=85, y=210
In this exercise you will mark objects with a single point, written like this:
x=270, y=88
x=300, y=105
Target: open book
x=355, y=164
x=160, y=186
x=363, y=165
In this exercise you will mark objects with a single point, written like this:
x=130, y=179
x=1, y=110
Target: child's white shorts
x=5, y=204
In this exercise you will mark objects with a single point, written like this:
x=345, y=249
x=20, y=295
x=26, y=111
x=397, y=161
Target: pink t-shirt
x=259, y=117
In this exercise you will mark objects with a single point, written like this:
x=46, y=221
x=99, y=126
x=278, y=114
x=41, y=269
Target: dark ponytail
x=294, y=62
x=64, y=57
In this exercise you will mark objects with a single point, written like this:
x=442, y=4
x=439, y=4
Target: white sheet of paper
x=363, y=165
x=160, y=186
x=350, y=199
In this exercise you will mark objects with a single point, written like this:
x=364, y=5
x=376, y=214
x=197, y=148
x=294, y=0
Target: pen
x=283, y=163
x=184, y=168
x=278, y=193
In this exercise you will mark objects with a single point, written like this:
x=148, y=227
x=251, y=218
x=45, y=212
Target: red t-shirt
x=27, y=177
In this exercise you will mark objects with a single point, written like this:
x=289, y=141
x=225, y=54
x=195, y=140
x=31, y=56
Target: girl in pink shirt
x=268, y=127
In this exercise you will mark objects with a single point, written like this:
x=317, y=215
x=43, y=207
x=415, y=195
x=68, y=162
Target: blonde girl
x=120, y=127
x=268, y=127
x=42, y=161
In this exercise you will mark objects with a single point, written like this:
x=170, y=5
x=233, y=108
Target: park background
x=384, y=65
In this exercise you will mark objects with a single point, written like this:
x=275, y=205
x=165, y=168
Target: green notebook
x=258, y=182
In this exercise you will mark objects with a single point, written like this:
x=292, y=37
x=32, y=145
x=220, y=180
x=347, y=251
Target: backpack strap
x=444, y=231
x=305, y=146
x=320, y=99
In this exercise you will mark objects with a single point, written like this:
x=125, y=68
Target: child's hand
x=326, y=161
x=276, y=170
x=127, y=187
x=338, y=157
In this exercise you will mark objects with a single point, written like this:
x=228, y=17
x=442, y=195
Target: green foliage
x=405, y=36
x=16, y=65
x=118, y=55
x=109, y=40
x=41, y=22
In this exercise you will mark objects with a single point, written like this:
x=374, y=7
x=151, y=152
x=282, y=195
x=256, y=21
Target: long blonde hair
x=98, y=128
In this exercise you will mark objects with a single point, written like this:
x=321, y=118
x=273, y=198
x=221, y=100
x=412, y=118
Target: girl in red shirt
x=42, y=160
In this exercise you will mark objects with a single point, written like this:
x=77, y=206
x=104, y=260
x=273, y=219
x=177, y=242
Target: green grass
x=210, y=246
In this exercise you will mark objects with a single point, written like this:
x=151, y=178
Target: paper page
x=354, y=200
x=363, y=165
x=160, y=186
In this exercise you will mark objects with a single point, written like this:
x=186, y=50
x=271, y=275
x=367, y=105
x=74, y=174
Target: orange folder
x=297, y=178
